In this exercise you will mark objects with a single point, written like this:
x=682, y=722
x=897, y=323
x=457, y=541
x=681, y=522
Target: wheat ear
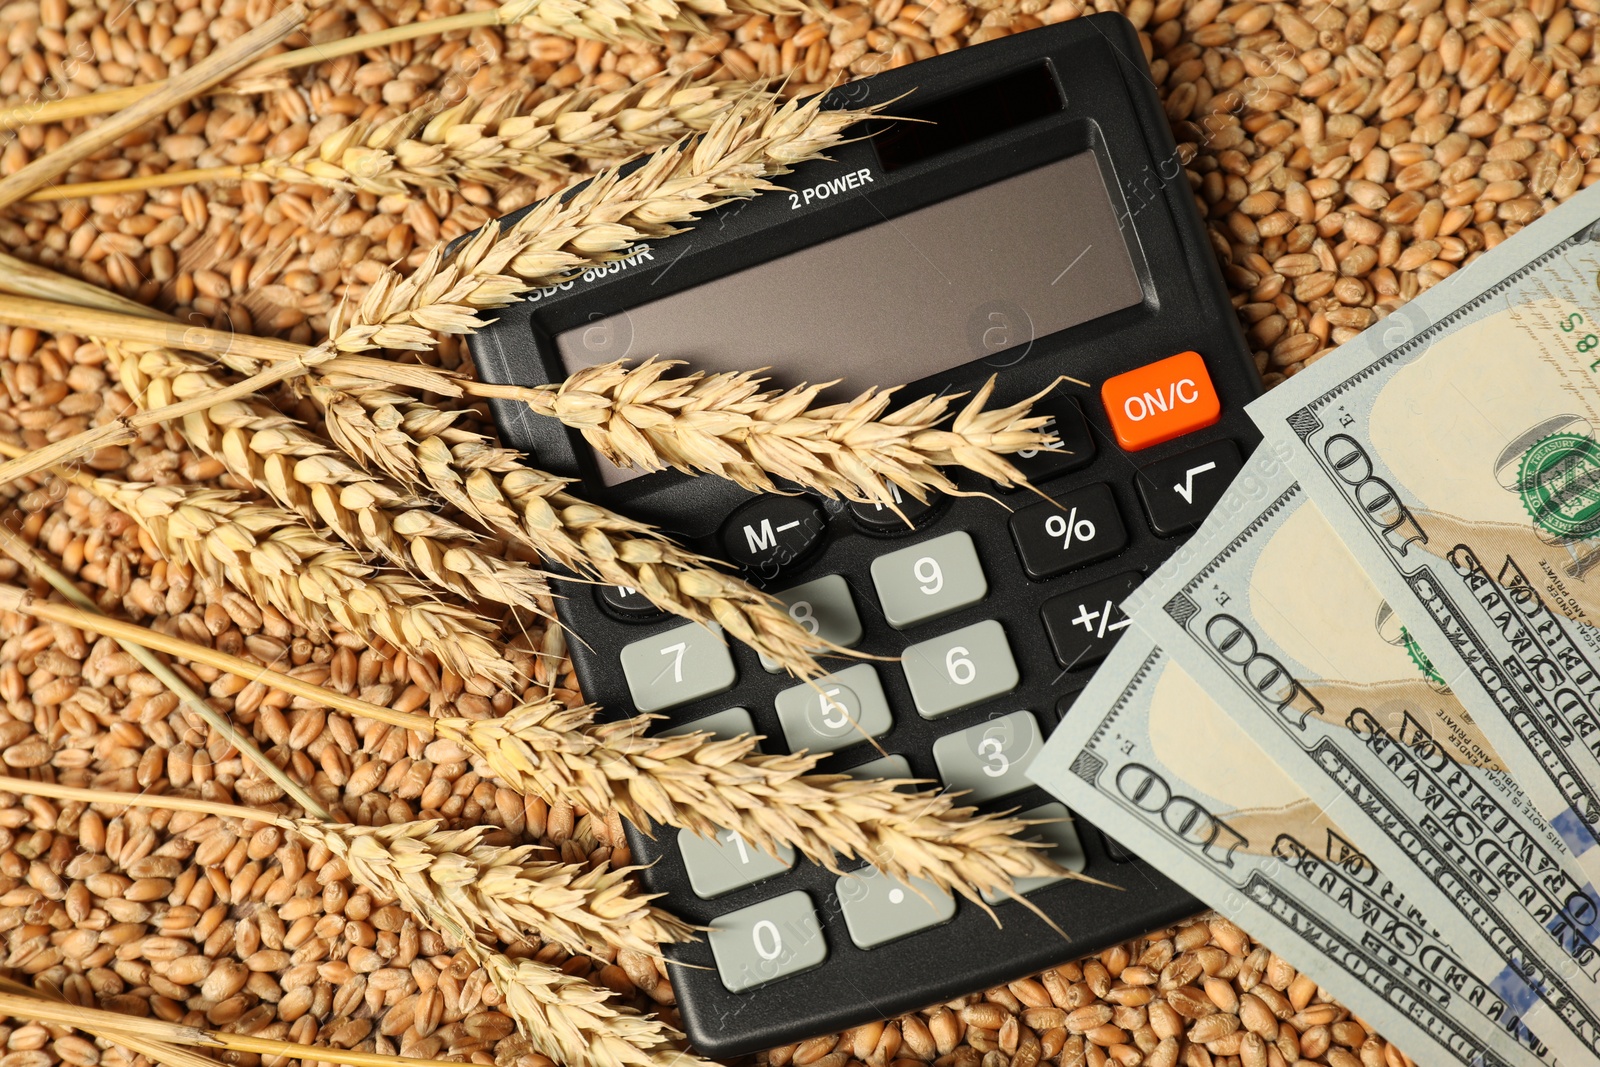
x=274, y=558
x=736, y=157
x=565, y=1017
x=726, y=424
x=308, y=476
x=500, y=891
x=571, y=1021
x=702, y=785
x=491, y=141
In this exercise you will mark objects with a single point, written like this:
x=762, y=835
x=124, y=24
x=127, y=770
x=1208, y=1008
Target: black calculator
x=1036, y=223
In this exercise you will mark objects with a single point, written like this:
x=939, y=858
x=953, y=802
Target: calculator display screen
x=977, y=276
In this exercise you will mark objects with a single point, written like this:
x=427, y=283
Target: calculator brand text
x=832, y=187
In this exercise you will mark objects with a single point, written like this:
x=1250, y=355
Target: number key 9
x=929, y=579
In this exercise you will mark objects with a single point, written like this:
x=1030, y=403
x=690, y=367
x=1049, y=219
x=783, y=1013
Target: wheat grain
x=726, y=424
x=308, y=476
x=702, y=785
x=274, y=558
x=499, y=891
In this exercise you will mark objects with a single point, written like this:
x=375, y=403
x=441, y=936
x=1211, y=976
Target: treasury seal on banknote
x=1559, y=482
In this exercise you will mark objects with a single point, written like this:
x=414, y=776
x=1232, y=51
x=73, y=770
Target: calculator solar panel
x=1039, y=225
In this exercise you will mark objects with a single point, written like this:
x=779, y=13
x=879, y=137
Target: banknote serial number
x=1588, y=341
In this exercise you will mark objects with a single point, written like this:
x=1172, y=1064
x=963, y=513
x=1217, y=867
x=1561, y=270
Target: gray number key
x=959, y=669
x=824, y=608
x=767, y=941
x=879, y=908
x=990, y=759
x=882, y=767
x=835, y=711
x=723, y=726
x=676, y=666
x=1065, y=848
x=928, y=580
x=727, y=863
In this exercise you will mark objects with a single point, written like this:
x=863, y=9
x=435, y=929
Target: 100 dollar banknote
x=1150, y=758
x=1274, y=617
x=1453, y=447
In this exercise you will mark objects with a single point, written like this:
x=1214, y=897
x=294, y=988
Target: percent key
x=1074, y=530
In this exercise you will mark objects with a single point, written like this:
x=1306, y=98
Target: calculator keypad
x=772, y=532
x=628, y=602
x=879, y=909
x=774, y=939
x=727, y=862
x=1071, y=531
x=676, y=666
x=1155, y=403
x=777, y=930
x=990, y=759
x=834, y=711
x=959, y=669
x=823, y=606
x=929, y=579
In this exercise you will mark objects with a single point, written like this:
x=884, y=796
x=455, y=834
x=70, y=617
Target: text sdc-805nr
x=1036, y=224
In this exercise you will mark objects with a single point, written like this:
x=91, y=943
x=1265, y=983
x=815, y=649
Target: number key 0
x=927, y=580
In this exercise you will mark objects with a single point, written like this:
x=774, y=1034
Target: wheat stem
x=35, y=564
x=606, y=20
x=137, y=184
x=155, y=1050
x=95, y=320
x=38, y=1009
x=24, y=603
x=21, y=278
x=192, y=82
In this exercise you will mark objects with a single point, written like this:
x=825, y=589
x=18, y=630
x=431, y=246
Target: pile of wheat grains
x=1346, y=153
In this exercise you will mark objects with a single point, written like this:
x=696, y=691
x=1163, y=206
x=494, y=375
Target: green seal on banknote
x=1559, y=482
x=1423, y=664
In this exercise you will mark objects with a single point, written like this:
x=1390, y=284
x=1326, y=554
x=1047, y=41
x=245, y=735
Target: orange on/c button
x=1160, y=401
